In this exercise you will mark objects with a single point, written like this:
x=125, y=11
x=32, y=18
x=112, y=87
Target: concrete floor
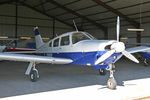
x=82, y=79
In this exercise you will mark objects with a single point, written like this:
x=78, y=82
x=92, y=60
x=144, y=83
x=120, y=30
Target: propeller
x=116, y=47
x=131, y=57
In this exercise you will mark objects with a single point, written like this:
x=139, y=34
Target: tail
x=38, y=40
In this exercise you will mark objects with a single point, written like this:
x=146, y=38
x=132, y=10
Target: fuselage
x=81, y=47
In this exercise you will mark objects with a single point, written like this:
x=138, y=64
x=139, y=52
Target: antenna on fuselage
x=75, y=25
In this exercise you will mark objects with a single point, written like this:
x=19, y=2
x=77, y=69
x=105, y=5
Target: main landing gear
x=32, y=72
x=34, y=76
x=111, y=83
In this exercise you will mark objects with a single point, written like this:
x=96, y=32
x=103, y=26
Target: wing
x=34, y=58
x=138, y=49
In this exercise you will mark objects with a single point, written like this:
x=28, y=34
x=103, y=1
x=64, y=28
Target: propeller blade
x=104, y=56
x=118, y=28
x=130, y=56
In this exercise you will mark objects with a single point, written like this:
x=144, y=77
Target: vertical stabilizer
x=38, y=40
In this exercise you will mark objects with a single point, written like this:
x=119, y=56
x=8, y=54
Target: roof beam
x=6, y=2
x=132, y=22
x=31, y=7
x=41, y=3
x=103, y=28
x=69, y=3
x=79, y=9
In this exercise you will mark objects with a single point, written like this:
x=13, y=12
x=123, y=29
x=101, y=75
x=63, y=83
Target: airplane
x=76, y=48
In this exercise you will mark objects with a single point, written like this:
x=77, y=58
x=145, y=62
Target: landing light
x=115, y=57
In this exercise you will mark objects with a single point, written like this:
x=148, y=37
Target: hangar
x=55, y=17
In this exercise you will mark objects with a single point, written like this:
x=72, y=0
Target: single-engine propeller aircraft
x=76, y=48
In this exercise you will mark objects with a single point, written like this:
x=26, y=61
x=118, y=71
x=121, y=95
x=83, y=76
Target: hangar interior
x=55, y=17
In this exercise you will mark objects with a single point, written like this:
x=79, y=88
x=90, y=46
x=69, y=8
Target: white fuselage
x=88, y=45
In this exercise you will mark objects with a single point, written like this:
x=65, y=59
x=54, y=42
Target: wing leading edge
x=34, y=58
x=138, y=49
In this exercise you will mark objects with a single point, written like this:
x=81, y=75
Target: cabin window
x=76, y=37
x=65, y=41
x=56, y=43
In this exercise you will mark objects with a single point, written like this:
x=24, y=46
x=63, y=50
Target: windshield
x=92, y=37
x=76, y=37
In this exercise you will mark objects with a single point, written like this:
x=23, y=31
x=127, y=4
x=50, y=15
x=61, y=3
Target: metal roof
x=91, y=13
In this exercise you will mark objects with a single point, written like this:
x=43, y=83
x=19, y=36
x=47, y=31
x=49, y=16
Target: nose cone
x=118, y=46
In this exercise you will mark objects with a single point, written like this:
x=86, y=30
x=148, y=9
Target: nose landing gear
x=111, y=83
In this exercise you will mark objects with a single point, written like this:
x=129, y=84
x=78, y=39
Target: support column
x=16, y=23
x=138, y=37
x=106, y=34
x=53, y=28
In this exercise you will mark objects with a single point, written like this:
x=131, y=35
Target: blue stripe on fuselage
x=84, y=58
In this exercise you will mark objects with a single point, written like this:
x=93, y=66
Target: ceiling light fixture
x=3, y=37
x=25, y=38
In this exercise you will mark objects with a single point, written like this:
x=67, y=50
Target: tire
x=111, y=83
x=34, y=76
x=102, y=71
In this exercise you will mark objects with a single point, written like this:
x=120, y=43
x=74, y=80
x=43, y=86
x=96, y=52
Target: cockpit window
x=92, y=37
x=76, y=37
x=65, y=41
x=56, y=43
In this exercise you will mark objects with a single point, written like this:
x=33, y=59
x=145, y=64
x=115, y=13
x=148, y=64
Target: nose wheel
x=111, y=83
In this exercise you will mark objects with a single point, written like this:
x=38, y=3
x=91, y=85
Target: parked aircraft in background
x=76, y=48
